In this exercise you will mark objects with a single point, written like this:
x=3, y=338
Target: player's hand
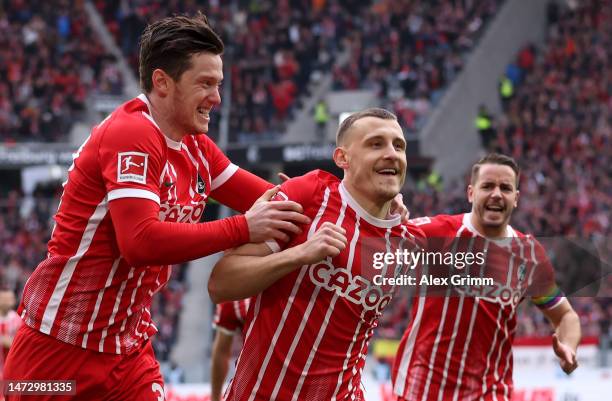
x=329, y=240
x=283, y=177
x=566, y=355
x=274, y=220
x=398, y=207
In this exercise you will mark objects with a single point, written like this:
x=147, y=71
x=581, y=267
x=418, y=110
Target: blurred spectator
x=50, y=60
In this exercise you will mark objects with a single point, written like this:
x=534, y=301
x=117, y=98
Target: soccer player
x=460, y=347
x=229, y=321
x=9, y=323
x=316, y=304
x=133, y=191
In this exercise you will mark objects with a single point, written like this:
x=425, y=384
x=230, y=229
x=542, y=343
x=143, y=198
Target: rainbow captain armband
x=552, y=298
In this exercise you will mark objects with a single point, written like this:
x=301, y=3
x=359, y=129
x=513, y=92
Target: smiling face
x=493, y=196
x=196, y=92
x=373, y=156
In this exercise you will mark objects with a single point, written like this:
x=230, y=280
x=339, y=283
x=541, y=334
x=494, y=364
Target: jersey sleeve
x=543, y=289
x=226, y=320
x=302, y=190
x=131, y=157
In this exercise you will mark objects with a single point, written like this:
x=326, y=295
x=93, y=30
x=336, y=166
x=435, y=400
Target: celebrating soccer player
x=145, y=173
x=460, y=347
x=229, y=321
x=316, y=306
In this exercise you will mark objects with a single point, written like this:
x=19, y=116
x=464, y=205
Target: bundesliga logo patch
x=132, y=167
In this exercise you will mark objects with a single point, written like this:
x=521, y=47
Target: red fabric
x=98, y=376
x=307, y=335
x=144, y=240
x=248, y=185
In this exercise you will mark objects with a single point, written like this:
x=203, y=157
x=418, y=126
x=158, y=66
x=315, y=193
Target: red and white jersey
x=230, y=316
x=85, y=293
x=307, y=334
x=459, y=347
x=9, y=325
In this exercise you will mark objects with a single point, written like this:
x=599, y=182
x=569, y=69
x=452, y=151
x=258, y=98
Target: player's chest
x=184, y=189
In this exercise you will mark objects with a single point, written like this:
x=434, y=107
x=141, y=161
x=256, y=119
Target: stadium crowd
x=25, y=228
x=50, y=61
x=409, y=61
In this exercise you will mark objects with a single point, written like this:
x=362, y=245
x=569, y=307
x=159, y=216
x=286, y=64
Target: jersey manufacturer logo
x=201, y=186
x=132, y=167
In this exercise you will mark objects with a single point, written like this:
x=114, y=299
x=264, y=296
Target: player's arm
x=144, y=240
x=6, y=340
x=255, y=267
x=220, y=359
x=567, y=334
x=246, y=184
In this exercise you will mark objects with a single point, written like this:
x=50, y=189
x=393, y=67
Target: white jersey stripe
x=68, y=270
x=281, y=325
x=224, y=176
x=315, y=347
x=129, y=310
x=305, y=317
x=469, y=334
x=109, y=280
x=294, y=291
x=132, y=193
x=348, y=352
x=349, y=267
x=434, y=351
x=111, y=320
x=451, y=345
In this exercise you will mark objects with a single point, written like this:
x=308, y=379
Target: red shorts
x=98, y=376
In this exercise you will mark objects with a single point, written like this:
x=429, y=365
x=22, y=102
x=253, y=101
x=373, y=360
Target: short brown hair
x=350, y=120
x=495, y=158
x=169, y=43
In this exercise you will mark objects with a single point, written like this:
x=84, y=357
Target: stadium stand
x=50, y=61
x=408, y=52
x=557, y=124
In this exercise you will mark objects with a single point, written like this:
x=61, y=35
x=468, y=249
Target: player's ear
x=340, y=158
x=470, y=193
x=161, y=82
x=516, y=198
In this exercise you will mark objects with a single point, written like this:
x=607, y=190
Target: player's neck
x=160, y=114
x=375, y=208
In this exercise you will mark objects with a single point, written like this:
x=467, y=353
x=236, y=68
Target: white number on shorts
x=157, y=388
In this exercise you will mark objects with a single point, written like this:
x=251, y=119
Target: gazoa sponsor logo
x=351, y=286
x=181, y=213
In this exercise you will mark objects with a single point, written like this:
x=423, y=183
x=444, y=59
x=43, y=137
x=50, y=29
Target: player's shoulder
x=439, y=224
x=313, y=179
x=131, y=122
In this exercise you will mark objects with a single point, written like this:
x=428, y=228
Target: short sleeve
x=132, y=156
x=303, y=190
x=219, y=166
x=543, y=289
x=226, y=320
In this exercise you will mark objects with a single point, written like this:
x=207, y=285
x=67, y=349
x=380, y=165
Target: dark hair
x=169, y=43
x=350, y=120
x=495, y=158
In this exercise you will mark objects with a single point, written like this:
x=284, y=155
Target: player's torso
x=466, y=332
x=91, y=296
x=307, y=335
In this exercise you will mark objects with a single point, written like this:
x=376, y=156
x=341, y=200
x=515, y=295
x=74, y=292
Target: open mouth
x=494, y=208
x=203, y=112
x=388, y=171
